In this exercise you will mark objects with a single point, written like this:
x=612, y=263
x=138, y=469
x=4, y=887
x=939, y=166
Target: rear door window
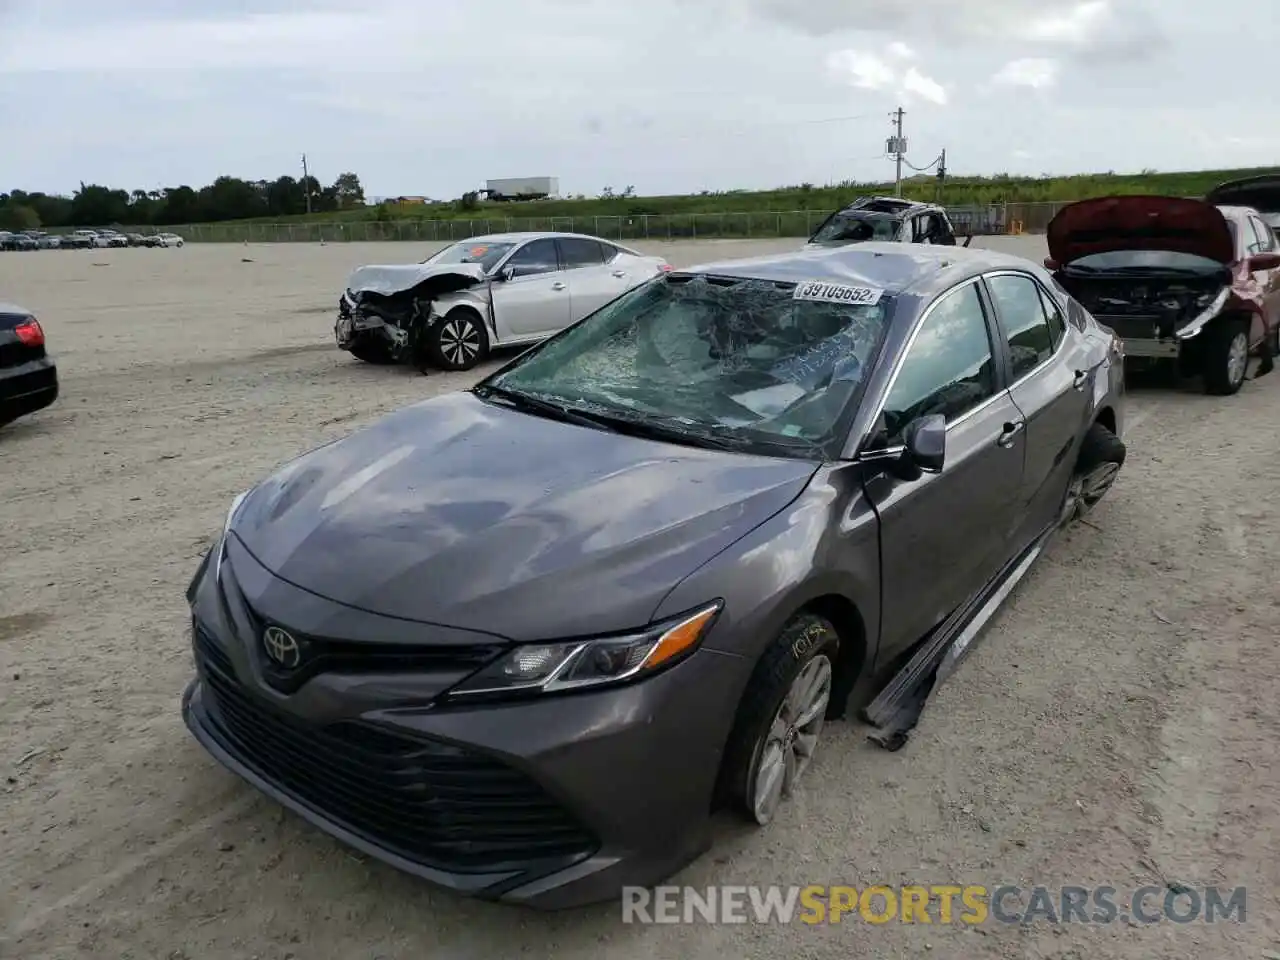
x=580, y=252
x=1262, y=239
x=1021, y=308
x=1053, y=315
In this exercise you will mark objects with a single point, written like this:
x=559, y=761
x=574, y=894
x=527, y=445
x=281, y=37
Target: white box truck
x=522, y=188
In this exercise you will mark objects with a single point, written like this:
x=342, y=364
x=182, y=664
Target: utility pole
x=942, y=176
x=306, y=182
x=897, y=147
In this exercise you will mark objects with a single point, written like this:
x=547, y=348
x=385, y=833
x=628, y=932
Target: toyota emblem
x=281, y=646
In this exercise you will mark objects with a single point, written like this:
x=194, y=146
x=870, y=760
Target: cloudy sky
x=435, y=96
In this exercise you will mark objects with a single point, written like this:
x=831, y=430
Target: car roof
x=1234, y=210
x=887, y=205
x=520, y=235
x=895, y=268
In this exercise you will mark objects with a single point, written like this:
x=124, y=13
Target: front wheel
x=459, y=341
x=781, y=717
x=1098, y=464
x=1226, y=355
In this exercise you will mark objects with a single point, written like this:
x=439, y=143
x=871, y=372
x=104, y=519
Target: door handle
x=1010, y=433
x=558, y=285
x=619, y=274
x=1081, y=378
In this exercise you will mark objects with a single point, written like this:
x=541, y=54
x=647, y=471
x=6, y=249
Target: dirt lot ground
x=1117, y=725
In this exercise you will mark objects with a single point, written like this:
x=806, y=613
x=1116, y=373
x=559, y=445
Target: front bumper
x=551, y=802
x=26, y=388
x=1153, y=349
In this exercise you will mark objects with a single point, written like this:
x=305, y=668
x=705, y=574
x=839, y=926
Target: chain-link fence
x=987, y=219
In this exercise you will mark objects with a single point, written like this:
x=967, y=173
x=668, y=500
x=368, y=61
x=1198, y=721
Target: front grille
x=330, y=655
x=326, y=655
x=1133, y=328
x=429, y=802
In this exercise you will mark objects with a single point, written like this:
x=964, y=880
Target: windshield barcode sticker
x=838, y=293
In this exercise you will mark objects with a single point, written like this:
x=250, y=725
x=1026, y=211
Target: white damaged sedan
x=499, y=290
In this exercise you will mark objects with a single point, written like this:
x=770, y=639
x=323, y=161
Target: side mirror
x=924, y=443
x=505, y=274
x=968, y=240
x=1263, y=261
x=1051, y=264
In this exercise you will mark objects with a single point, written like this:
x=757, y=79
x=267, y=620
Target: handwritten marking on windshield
x=837, y=293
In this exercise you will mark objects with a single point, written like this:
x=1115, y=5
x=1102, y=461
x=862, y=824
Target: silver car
x=491, y=291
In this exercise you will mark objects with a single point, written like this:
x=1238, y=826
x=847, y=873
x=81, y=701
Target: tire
x=1101, y=456
x=1226, y=356
x=371, y=350
x=768, y=747
x=459, y=341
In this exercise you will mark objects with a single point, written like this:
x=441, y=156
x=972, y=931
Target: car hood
x=460, y=513
x=393, y=278
x=1108, y=224
x=1261, y=192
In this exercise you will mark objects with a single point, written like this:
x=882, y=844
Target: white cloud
x=900, y=51
x=926, y=88
x=863, y=70
x=869, y=72
x=1080, y=24
x=1126, y=29
x=1034, y=72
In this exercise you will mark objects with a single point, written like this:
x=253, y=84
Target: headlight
x=552, y=667
x=221, y=546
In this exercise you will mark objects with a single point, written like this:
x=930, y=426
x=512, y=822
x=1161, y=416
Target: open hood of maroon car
x=1108, y=224
x=1260, y=192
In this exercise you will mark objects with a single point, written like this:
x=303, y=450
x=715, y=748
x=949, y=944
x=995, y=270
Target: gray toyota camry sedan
x=522, y=640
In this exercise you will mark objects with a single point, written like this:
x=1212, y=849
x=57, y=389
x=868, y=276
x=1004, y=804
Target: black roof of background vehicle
x=1261, y=192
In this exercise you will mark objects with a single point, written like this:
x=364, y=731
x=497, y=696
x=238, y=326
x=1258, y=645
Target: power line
x=703, y=131
x=928, y=166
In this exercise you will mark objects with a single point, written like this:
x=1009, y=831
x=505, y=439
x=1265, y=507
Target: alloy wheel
x=1237, y=358
x=1087, y=488
x=459, y=341
x=789, y=741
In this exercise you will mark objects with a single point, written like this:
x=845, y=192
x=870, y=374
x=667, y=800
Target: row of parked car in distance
x=84, y=240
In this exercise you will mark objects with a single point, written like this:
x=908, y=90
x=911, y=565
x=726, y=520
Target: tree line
x=227, y=198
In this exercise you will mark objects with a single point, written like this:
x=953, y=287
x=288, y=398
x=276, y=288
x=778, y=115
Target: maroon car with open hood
x=1179, y=280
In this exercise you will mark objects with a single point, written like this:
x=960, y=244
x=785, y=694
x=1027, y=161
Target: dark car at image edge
x=28, y=375
x=522, y=640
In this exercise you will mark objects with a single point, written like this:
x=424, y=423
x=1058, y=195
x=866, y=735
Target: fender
x=765, y=577
x=478, y=299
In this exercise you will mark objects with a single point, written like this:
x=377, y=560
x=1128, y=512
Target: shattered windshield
x=473, y=251
x=857, y=228
x=755, y=363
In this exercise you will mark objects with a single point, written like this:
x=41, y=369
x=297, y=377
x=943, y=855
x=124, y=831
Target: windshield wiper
x=677, y=430
x=650, y=428
x=532, y=404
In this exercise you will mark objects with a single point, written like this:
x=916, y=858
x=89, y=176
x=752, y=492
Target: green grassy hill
x=957, y=191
